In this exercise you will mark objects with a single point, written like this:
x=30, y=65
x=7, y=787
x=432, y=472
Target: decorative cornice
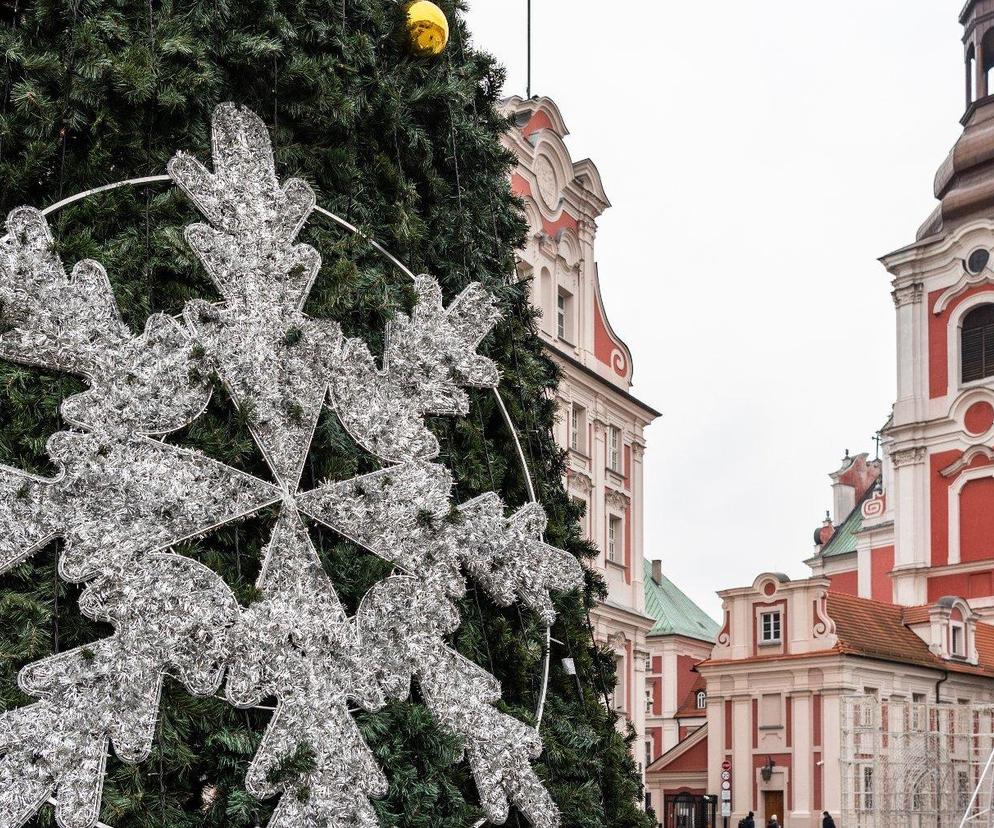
x=909, y=456
x=908, y=294
x=579, y=480
x=617, y=499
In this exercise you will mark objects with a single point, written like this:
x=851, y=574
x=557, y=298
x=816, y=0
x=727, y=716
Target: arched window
x=977, y=344
x=702, y=700
x=987, y=56
x=971, y=75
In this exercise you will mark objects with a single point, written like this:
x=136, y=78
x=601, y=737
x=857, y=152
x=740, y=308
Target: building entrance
x=773, y=804
x=686, y=810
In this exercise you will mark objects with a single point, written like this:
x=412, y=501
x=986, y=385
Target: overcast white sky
x=759, y=157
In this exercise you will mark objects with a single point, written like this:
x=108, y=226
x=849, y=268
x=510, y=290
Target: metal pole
x=528, y=87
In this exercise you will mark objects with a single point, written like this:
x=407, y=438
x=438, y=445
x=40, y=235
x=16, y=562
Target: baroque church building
x=656, y=633
x=867, y=689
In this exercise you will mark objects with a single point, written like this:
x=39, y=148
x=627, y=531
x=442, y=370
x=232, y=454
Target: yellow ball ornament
x=427, y=28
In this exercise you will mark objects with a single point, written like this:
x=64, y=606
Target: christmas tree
x=406, y=148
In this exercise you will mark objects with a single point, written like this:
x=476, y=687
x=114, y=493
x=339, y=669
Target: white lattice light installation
x=123, y=499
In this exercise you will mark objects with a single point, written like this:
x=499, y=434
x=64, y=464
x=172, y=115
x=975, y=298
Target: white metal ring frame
x=157, y=179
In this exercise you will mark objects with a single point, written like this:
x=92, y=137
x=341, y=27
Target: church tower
x=935, y=512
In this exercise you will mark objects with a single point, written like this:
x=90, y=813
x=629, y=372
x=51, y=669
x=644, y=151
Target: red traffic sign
x=726, y=765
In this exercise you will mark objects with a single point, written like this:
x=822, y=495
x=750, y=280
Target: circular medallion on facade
x=979, y=418
x=548, y=187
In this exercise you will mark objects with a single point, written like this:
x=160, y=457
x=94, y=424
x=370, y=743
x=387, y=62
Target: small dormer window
x=702, y=700
x=957, y=640
x=770, y=627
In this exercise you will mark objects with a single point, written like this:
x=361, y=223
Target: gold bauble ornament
x=427, y=28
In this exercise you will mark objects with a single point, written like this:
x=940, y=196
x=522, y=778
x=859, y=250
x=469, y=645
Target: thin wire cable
x=130, y=182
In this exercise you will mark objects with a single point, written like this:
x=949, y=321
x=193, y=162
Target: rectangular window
x=614, y=539
x=648, y=753
x=917, y=712
x=648, y=699
x=564, y=315
x=956, y=634
x=578, y=428
x=770, y=626
x=867, y=789
x=614, y=448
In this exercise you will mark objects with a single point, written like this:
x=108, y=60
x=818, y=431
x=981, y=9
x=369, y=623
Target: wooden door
x=773, y=804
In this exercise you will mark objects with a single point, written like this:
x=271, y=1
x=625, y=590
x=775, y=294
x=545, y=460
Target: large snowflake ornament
x=123, y=498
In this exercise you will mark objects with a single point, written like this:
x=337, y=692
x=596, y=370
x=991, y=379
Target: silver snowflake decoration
x=123, y=498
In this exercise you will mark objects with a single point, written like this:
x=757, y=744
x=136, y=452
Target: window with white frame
x=614, y=448
x=702, y=700
x=957, y=640
x=578, y=428
x=770, y=627
x=564, y=315
x=977, y=344
x=614, y=539
x=918, y=711
x=648, y=754
x=648, y=699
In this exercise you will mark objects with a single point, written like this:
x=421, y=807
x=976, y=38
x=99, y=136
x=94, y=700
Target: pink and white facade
x=929, y=529
x=899, y=605
x=601, y=423
x=790, y=655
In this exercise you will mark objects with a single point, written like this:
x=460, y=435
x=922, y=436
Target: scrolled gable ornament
x=123, y=499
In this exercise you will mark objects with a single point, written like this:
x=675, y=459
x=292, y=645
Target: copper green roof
x=844, y=540
x=674, y=612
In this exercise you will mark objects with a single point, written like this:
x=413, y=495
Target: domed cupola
x=964, y=183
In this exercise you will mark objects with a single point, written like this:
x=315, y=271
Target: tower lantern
x=964, y=183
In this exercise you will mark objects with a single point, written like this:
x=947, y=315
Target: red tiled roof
x=916, y=615
x=878, y=630
x=688, y=707
x=985, y=644
x=875, y=629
